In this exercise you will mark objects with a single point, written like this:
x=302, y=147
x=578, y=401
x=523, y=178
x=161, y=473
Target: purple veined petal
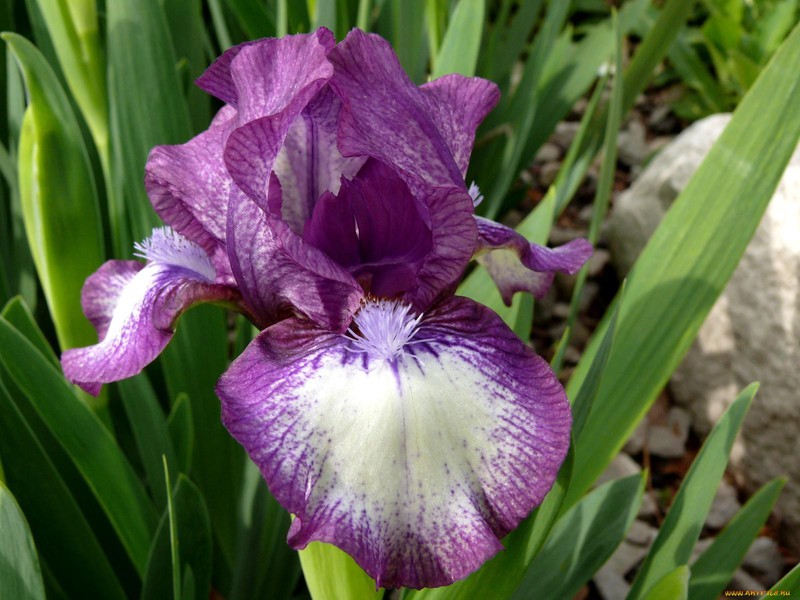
x=458, y=105
x=374, y=229
x=189, y=187
x=414, y=462
x=309, y=162
x=218, y=79
x=515, y=264
x=274, y=82
x=134, y=308
x=386, y=116
x=279, y=274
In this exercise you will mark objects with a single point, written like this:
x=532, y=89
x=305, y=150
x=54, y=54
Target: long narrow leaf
x=716, y=566
x=687, y=514
x=86, y=440
x=459, y=51
x=20, y=576
x=582, y=540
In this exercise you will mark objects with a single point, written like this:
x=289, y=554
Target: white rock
x=724, y=507
x=753, y=331
x=641, y=534
x=625, y=557
x=631, y=143
x=548, y=152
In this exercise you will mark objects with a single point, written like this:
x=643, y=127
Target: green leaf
x=462, y=40
x=19, y=315
x=253, y=18
x=89, y=444
x=673, y=586
x=582, y=540
x=605, y=183
x=333, y=575
x=687, y=514
x=73, y=27
x=714, y=569
x=501, y=575
x=688, y=261
x=148, y=107
x=217, y=460
x=150, y=433
x=58, y=195
x=20, y=576
x=408, y=36
x=184, y=532
x=66, y=541
x=181, y=432
x=266, y=567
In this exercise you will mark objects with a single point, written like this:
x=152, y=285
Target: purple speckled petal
x=134, y=309
x=515, y=264
x=416, y=466
x=374, y=229
x=386, y=116
x=189, y=188
x=309, y=162
x=274, y=82
x=458, y=105
x=218, y=78
x=279, y=274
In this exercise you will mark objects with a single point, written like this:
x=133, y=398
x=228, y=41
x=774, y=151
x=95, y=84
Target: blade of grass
x=86, y=440
x=687, y=514
x=462, y=40
x=673, y=586
x=789, y=583
x=714, y=569
x=582, y=540
x=605, y=183
x=20, y=575
x=688, y=261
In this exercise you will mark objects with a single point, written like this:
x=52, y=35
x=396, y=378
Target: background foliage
x=141, y=493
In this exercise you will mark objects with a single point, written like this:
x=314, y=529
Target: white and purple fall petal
x=413, y=443
x=134, y=307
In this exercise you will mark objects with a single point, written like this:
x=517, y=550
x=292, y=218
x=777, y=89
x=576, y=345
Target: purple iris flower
x=326, y=201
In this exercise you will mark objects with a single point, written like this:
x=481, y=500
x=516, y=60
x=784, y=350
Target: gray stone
x=635, y=443
x=611, y=585
x=724, y=507
x=641, y=534
x=548, y=152
x=764, y=560
x=669, y=440
x=564, y=134
x=631, y=144
x=700, y=547
x=742, y=580
x=622, y=466
x=625, y=557
x=753, y=331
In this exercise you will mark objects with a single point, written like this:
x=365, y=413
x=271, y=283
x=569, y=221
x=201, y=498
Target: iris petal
x=415, y=466
x=458, y=105
x=515, y=264
x=134, y=308
x=189, y=187
x=279, y=274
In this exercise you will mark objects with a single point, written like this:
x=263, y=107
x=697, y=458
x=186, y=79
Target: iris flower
x=406, y=425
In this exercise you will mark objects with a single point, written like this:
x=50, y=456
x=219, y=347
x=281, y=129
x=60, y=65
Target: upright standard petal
x=274, y=82
x=385, y=115
x=309, y=162
x=189, y=187
x=134, y=308
x=515, y=264
x=412, y=444
x=458, y=105
x=279, y=274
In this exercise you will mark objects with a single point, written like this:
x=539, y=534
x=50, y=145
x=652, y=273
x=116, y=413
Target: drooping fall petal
x=415, y=465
